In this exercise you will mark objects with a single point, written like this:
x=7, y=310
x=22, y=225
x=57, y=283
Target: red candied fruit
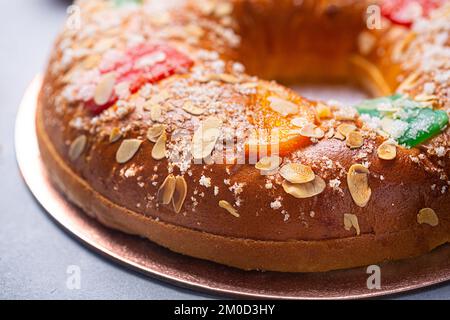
x=405, y=12
x=142, y=64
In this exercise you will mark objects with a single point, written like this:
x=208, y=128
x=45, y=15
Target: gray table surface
x=34, y=252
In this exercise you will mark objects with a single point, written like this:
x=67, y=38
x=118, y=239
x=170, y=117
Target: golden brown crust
x=247, y=254
x=272, y=230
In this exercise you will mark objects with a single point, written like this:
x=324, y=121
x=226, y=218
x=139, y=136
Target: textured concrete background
x=34, y=252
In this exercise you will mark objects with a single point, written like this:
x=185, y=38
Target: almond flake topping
x=358, y=184
x=409, y=82
x=297, y=173
x=91, y=61
x=223, y=77
x=104, y=89
x=156, y=112
x=430, y=98
x=223, y=9
x=299, y=122
x=179, y=195
x=339, y=136
x=354, y=140
x=115, y=135
x=323, y=111
x=154, y=132
x=268, y=164
x=283, y=107
x=227, y=206
x=351, y=221
x=159, y=149
x=228, y=78
x=312, y=131
x=189, y=107
x=346, y=128
x=428, y=216
x=167, y=189
x=77, y=147
x=205, y=138
x=387, y=150
x=127, y=150
x=249, y=85
x=305, y=190
x=159, y=98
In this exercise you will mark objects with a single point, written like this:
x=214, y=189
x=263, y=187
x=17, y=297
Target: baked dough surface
x=228, y=212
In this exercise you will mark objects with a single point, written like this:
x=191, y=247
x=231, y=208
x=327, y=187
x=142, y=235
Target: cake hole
x=347, y=94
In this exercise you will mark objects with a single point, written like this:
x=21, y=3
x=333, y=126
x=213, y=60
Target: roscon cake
x=173, y=125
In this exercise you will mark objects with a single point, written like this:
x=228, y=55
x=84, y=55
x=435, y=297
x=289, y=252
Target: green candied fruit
x=120, y=3
x=427, y=124
x=414, y=122
x=371, y=107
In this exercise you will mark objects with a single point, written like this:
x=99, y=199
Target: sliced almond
x=297, y=173
x=156, y=112
x=355, y=140
x=104, y=89
x=312, y=131
x=147, y=106
x=205, y=138
x=323, y=111
x=300, y=122
x=410, y=82
x=148, y=61
x=351, y=221
x=358, y=184
x=330, y=133
x=154, y=132
x=223, y=9
x=77, y=147
x=280, y=91
x=342, y=112
x=431, y=98
x=228, y=78
x=227, y=206
x=267, y=164
x=387, y=150
x=159, y=98
x=127, y=150
x=223, y=77
x=189, y=107
x=305, y=190
x=339, y=136
x=179, y=195
x=159, y=149
x=426, y=97
x=91, y=61
x=282, y=106
x=346, y=128
x=250, y=85
x=428, y=216
x=167, y=189
x=115, y=135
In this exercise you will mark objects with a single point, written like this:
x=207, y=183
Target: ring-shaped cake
x=170, y=125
